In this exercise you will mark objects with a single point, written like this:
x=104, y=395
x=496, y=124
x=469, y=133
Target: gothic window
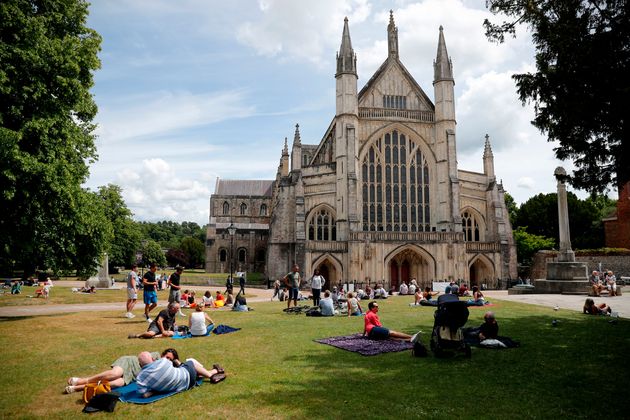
x=226, y=208
x=242, y=255
x=321, y=226
x=263, y=210
x=223, y=255
x=395, y=185
x=305, y=160
x=243, y=209
x=470, y=227
x=395, y=101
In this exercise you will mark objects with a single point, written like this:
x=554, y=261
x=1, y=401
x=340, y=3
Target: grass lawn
x=578, y=369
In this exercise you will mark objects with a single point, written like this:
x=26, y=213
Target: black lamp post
x=232, y=231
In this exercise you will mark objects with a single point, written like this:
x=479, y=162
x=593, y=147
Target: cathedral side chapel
x=380, y=199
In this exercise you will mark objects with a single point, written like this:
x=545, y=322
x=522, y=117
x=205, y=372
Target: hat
x=102, y=402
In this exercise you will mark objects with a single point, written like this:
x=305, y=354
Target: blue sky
x=192, y=90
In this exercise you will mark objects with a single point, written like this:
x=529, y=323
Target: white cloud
x=526, y=182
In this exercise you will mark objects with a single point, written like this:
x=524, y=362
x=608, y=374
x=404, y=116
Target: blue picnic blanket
x=129, y=393
x=220, y=329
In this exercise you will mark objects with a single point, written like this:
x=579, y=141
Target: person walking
x=149, y=295
x=132, y=290
x=174, y=295
x=241, y=283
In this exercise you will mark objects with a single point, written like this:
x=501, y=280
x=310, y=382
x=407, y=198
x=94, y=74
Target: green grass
x=578, y=369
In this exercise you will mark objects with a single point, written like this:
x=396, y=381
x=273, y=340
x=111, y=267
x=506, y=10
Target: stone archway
x=480, y=271
x=410, y=262
x=330, y=269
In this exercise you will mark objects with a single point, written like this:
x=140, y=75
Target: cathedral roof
x=253, y=187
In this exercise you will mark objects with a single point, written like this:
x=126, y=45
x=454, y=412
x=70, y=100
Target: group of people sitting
x=426, y=297
x=153, y=372
x=605, y=280
x=219, y=300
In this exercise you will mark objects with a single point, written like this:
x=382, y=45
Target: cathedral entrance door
x=393, y=274
x=323, y=269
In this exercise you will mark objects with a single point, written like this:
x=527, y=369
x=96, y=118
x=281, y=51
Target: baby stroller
x=447, y=337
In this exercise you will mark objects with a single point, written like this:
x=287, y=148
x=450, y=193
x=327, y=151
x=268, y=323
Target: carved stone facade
x=380, y=199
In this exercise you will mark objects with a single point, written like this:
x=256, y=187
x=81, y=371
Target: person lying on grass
x=375, y=330
x=591, y=308
x=163, y=325
x=124, y=370
x=488, y=330
x=160, y=376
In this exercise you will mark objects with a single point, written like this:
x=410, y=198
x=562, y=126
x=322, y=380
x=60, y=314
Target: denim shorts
x=379, y=333
x=293, y=293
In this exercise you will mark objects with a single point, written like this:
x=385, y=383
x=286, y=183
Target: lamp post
x=232, y=231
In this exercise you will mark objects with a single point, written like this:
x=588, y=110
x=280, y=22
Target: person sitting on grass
x=44, y=291
x=375, y=330
x=488, y=330
x=160, y=376
x=591, y=308
x=478, y=299
x=354, y=307
x=207, y=299
x=417, y=298
x=197, y=322
x=240, y=303
x=124, y=370
x=183, y=302
x=326, y=305
x=219, y=300
x=163, y=325
x=16, y=289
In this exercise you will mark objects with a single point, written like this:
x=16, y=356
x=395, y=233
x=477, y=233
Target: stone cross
x=566, y=254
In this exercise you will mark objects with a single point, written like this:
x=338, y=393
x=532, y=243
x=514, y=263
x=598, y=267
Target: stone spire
x=488, y=159
x=346, y=58
x=296, y=150
x=284, y=160
x=392, y=37
x=296, y=137
x=443, y=67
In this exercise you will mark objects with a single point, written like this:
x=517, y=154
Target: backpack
x=90, y=390
x=419, y=350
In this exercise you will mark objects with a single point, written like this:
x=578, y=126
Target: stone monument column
x=101, y=280
x=566, y=254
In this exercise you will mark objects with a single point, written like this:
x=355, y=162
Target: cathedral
x=380, y=199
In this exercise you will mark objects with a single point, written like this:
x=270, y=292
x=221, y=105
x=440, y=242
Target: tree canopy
x=47, y=57
x=126, y=233
x=580, y=86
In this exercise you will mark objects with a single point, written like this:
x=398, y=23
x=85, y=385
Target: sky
x=192, y=90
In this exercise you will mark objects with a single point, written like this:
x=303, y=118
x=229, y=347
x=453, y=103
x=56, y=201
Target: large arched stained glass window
x=470, y=227
x=321, y=226
x=395, y=186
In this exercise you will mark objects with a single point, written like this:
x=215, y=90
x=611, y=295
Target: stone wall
x=619, y=264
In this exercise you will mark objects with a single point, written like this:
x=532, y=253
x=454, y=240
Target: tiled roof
x=243, y=187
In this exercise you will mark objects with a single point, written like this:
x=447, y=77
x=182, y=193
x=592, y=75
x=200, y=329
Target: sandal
x=73, y=381
x=218, y=368
x=217, y=377
x=70, y=389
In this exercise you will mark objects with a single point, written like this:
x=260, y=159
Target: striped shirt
x=162, y=376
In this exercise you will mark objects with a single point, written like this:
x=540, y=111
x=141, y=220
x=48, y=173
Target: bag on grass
x=419, y=350
x=90, y=390
x=102, y=402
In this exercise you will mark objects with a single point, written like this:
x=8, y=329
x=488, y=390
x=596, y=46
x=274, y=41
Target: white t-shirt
x=317, y=282
x=198, y=323
x=326, y=305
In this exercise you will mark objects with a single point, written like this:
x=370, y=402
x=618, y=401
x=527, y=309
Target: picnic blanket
x=358, y=343
x=220, y=329
x=129, y=393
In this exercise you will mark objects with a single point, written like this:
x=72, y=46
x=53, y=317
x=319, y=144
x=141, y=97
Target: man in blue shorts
x=149, y=295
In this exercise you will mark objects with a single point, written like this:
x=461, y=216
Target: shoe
x=218, y=368
x=217, y=377
x=70, y=389
x=73, y=381
x=416, y=337
x=131, y=315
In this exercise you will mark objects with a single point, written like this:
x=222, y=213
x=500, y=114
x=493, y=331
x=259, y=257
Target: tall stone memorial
x=101, y=280
x=564, y=275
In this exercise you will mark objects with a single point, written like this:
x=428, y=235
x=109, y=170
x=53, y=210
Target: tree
x=528, y=244
x=126, y=234
x=175, y=257
x=194, y=250
x=539, y=215
x=152, y=253
x=47, y=57
x=580, y=86
x=511, y=207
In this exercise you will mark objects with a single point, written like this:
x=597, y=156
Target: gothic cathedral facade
x=380, y=199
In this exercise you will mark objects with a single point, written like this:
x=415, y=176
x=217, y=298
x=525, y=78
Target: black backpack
x=419, y=350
